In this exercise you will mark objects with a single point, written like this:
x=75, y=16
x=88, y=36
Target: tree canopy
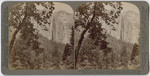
x=89, y=16
x=21, y=16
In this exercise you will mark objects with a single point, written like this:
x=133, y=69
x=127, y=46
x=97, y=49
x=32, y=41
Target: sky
x=129, y=7
x=62, y=6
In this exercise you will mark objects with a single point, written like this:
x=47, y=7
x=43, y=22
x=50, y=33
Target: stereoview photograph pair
x=100, y=37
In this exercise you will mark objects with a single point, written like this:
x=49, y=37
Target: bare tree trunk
x=16, y=32
x=79, y=45
x=82, y=36
x=13, y=39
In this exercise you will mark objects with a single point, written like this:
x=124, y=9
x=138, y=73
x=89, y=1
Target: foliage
x=91, y=57
x=25, y=58
x=33, y=51
x=135, y=51
x=20, y=18
x=24, y=11
x=88, y=17
x=68, y=56
x=135, y=58
x=124, y=57
x=48, y=58
x=67, y=51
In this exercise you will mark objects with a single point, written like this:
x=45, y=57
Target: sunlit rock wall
x=130, y=27
x=62, y=23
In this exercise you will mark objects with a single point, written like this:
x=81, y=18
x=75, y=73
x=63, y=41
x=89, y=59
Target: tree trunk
x=13, y=39
x=82, y=36
x=16, y=32
x=14, y=35
x=79, y=45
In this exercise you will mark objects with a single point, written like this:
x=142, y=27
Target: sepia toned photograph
x=107, y=36
x=96, y=35
x=40, y=36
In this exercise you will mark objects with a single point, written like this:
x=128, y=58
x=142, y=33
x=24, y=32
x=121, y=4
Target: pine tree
x=135, y=51
x=124, y=57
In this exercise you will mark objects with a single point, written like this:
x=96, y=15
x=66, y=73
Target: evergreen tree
x=124, y=56
x=20, y=18
x=135, y=51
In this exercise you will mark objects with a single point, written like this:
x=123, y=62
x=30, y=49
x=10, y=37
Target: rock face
x=62, y=23
x=60, y=28
x=130, y=27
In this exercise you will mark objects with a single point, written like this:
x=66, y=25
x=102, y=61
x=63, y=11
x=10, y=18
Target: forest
x=67, y=42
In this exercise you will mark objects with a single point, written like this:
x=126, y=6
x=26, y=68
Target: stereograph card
x=75, y=37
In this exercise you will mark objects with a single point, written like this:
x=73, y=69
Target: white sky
x=129, y=7
x=62, y=6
